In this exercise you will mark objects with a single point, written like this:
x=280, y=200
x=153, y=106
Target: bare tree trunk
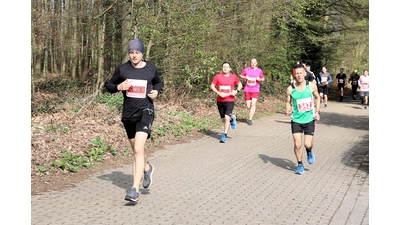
x=32, y=79
x=46, y=49
x=155, y=24
x=125, y=31
x=88, y=50
x=53, y=55
x=100, y=71
x=64, y=48
x=45, y=66
x=38, y=46
x=80, y=55
x=94, y=36
x=88, y=39
x=75, y=52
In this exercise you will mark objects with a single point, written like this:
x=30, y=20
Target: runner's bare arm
x=288, y=110
x=317, y=101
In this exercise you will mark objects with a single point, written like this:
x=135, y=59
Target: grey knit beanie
x=136, y=45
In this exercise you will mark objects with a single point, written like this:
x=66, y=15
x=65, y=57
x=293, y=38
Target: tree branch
x=106, y=10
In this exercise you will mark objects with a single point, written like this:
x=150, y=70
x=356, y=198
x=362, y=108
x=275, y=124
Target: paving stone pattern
x=249, y=179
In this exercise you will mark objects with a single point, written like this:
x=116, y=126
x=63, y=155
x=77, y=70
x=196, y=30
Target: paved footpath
x=248, y=180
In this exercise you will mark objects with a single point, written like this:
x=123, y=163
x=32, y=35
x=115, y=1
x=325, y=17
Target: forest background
x=76, y=46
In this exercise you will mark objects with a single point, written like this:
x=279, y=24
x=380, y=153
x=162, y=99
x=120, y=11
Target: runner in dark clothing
x=140, y=84
x=353, y=80
x=309, y=76
x=341, y=81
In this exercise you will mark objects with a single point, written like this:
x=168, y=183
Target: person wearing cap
x=140, y=84
x=353, y=80
x=302, y=105
x=253, y=76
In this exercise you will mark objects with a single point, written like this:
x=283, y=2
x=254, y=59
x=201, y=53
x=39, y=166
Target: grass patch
x=114, y=101
x=42, y=169
x=54, y=128
x=74, y=162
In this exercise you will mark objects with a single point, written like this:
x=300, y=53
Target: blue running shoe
x=310, y=157
x=223, y=138
x=132, y=196
x=233, y=121
x=300, y=169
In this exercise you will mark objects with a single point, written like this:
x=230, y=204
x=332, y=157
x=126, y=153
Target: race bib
x=138, y=88
x=225, y=89
x=341, y=81
x=354, y=82
x=324, y=79
x=251, y=81
x=304, y=104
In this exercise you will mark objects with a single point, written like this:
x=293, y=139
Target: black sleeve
x=111, y=85
x=318, y=78
x=157, y=82
x=309, y=76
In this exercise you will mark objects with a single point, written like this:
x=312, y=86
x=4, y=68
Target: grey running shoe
x=249, y=122
x=147, y=178
x=132, y=196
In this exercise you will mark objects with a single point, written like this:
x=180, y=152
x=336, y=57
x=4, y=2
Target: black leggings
x=354, y=89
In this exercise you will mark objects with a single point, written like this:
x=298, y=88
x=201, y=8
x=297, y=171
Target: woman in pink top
x=363, y=83
x=253, y=76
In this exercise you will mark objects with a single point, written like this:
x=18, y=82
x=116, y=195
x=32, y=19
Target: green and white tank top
x=302, y=105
